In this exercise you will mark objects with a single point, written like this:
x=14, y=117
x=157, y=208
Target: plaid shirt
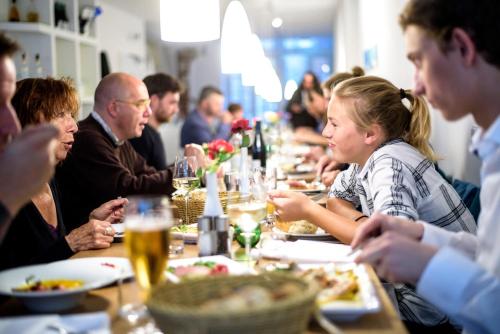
x=399, y=181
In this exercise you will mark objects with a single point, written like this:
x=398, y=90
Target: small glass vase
x=213, y=206
x=244, y=177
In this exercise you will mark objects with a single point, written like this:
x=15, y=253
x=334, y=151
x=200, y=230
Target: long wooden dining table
x=107, y=299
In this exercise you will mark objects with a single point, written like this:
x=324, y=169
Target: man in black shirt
x=164, y=92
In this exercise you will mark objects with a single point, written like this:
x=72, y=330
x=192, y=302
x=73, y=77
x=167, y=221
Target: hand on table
x=95, y=234
x=111, y=211
x=290, y=205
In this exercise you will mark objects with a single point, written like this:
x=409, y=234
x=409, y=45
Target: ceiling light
x=277, y=22
x=189, y=20
x=235, y=35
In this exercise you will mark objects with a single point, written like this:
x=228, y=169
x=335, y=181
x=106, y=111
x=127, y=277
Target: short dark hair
x=161, y=83
x=40, y=100
x=207, y=91
x=234, y=107
x=479, y=18
x=7, y=46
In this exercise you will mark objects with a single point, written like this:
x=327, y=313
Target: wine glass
x=247, y=213
x=147, y=223
x=185, y=179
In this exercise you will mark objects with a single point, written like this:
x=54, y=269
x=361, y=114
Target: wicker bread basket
x=175, y=307
x=196, y=203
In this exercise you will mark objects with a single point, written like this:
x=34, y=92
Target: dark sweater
x=150, y=147
x=30, y=240
x=96, y=171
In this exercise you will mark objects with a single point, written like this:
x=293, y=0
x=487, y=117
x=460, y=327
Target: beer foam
x=147, y=223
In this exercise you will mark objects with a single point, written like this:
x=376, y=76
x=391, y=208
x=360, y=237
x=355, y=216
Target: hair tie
x=404, y=99
x=402, y=94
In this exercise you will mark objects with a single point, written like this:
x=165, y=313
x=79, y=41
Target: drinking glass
x=185, y=179
x=147, y=223
x=247, y=213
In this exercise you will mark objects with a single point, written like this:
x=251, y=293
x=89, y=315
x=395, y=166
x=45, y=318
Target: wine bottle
x=24, y=71
x=32, y=15
x=14, y=12
x=258, y=147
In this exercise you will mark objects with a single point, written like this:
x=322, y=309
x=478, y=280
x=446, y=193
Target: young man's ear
x=463, y=42
x=374, y=135
x=155, y=100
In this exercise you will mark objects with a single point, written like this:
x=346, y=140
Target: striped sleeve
x=344, y=186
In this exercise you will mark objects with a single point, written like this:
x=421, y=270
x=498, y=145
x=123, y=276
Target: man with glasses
x=164, y=92
x=103, y=165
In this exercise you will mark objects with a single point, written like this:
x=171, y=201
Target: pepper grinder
x=223, y=241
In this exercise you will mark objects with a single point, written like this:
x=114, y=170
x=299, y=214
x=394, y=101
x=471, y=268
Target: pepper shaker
x=223, y=242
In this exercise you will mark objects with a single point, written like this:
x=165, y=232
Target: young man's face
x=438, y=75
x=166, y=107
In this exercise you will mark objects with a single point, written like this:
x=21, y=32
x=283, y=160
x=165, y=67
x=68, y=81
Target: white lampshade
x=253, y=58
x=235, y=34
x=189, y=20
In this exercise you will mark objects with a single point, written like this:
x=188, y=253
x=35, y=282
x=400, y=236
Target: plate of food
x=301, y=229
x=189, y=232
x=347, y=291
x=302, y=186
x=56, y=286
x=206, y=266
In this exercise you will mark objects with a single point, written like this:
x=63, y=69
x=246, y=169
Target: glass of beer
x=147, y=223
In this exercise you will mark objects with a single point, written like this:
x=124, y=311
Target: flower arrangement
x=241, y=126
x=218, y=151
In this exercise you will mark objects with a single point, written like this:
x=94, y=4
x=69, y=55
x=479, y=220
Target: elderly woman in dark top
x=37, y=233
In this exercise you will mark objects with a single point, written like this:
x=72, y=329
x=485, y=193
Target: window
x=291, y=57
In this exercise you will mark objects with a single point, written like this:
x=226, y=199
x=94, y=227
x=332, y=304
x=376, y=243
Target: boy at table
x=457, y=66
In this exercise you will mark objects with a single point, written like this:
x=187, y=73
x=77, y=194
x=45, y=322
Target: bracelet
x=360, y=217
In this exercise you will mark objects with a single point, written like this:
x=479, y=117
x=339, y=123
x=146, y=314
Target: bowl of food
x=268, y=303
x=55, y=286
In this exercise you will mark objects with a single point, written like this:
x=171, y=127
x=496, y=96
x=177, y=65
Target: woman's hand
x=112, y=211
x=95, y=234
x=290, y=205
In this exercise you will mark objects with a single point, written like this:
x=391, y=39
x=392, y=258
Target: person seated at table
x=383, y=133
x=37, y=233
x=326, y=167
x=103, y=165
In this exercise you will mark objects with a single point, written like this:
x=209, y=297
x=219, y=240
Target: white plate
x=234, y=268
x=94, y=275
x=351, y=310
x=189, y=237
x=320, y=235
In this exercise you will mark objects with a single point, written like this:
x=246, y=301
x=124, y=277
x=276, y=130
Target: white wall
x=123, y=36
x=365, y=24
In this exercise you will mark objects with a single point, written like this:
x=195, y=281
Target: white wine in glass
x=186, y=183
x=185, y=179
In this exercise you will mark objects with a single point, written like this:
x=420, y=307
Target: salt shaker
x=207, y=237
x=223, y=244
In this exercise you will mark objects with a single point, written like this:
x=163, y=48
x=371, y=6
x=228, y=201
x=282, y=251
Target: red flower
x=240, y=126
x=219, y=151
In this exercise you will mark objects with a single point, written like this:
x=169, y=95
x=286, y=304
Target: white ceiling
x=300, y=17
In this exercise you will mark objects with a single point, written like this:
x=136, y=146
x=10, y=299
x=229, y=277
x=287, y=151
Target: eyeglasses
x=140, y=104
